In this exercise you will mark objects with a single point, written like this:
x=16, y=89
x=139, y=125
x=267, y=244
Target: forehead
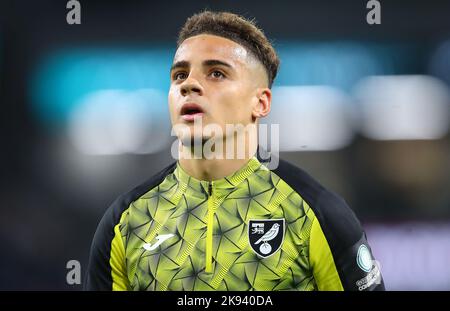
x=211, y=47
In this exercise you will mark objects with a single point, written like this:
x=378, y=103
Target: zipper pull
x=210, y=188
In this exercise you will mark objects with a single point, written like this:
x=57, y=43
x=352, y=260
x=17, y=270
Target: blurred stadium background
x=365, y=109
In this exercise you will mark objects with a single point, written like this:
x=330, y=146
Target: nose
x=191, y=85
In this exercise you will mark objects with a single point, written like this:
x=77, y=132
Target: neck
x=220, y=165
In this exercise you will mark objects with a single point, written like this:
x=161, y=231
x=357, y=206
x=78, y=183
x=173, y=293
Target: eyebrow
x=215, y=62
x=180, y=64
x=208, y=63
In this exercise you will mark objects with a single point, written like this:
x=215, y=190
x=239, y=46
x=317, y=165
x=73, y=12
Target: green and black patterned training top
x=257, y=229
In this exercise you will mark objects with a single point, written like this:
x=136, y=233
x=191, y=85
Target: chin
x=193, y=140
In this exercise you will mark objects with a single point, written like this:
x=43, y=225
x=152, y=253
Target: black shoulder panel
x=340, y=226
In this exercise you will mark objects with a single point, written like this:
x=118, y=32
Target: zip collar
x=202, y=187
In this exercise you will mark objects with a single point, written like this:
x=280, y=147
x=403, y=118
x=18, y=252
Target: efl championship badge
x=266, y=236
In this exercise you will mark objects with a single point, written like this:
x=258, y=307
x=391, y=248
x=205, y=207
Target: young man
x=227, y=221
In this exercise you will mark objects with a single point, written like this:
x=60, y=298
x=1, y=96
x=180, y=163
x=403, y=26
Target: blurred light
x=311, y=118
x=62, y=79
x=118, y=121
x=340, y=64
x=403, y=107
x=412, y=256
x=440, y=62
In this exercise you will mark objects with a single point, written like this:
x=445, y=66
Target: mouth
x=190, y=111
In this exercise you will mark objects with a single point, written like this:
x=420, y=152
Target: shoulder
x=337, y=219
x=341, y=231
x=105, y=230
x=99, y=274
x=116, y=209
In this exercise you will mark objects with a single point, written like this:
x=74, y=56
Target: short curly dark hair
x=238, y=29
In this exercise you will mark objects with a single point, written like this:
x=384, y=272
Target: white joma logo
x=160, y=239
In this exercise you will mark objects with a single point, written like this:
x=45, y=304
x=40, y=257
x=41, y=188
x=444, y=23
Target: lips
x=190, y=111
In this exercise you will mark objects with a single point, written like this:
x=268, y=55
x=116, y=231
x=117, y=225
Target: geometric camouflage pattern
x=184, y=206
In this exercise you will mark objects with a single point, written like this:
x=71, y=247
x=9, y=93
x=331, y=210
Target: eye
x=180, y=75
x=217, y=74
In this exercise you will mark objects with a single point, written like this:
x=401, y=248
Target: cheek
x=235, y=109
x=232, y=104
x=171, y=96
x=242, y=105
x=171, y=100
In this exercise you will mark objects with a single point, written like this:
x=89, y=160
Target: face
x=216, y=80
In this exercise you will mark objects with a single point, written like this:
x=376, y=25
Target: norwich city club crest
x=266, y=236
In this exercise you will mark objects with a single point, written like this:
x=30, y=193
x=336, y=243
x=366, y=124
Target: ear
x=262, y=108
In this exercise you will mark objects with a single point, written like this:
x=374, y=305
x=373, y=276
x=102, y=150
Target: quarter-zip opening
x=209, y=228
